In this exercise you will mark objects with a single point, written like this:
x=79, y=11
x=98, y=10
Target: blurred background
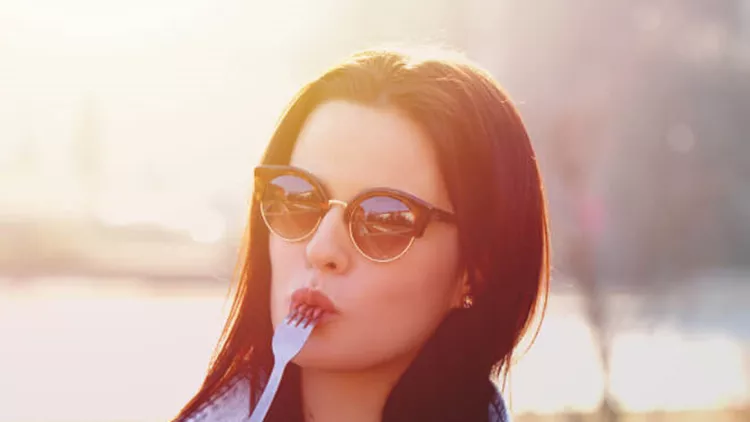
x=128, y=133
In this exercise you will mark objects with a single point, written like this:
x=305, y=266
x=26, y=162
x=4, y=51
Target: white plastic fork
x=288, y=340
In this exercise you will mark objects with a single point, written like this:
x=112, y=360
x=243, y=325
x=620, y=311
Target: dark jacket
x=233, y=403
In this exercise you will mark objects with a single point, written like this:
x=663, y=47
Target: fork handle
x=269, y=392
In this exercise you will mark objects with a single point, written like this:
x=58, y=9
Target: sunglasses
x=383, y=223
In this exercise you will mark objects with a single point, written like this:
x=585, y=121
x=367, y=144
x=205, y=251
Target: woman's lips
x=312, y=298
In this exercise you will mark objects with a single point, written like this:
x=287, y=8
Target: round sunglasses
x=383, y=223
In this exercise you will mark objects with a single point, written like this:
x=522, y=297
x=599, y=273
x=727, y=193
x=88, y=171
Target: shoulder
x=230, y=404
x=498, y=410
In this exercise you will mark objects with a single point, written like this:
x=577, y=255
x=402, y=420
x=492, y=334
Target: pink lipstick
x=312, y=299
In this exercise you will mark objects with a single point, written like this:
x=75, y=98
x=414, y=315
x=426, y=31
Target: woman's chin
x=316, y=361
x=322, y=357
x=315, y=353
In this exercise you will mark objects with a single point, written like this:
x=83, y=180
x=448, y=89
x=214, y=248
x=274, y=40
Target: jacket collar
x=232, y=404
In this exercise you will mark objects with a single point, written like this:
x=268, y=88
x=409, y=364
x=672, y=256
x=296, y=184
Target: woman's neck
x=337, y=396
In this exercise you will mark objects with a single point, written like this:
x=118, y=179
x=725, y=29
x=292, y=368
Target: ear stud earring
x=468, y=301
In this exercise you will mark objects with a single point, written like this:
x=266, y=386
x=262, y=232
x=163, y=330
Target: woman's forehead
x=352, y=147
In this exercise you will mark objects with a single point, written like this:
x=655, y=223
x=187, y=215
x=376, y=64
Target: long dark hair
x=494, y=183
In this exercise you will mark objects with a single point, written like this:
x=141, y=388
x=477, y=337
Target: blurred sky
x=181, y=96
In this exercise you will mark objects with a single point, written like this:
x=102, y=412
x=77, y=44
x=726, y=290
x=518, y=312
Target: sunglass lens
x=382, y=227
x=291, y=206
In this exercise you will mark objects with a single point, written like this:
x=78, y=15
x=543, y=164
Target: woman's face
x=387, y=310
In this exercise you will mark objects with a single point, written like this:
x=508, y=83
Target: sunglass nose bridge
x=344, y=206
x=332, y=202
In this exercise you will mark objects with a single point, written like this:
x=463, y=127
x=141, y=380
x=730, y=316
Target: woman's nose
x=328, y=250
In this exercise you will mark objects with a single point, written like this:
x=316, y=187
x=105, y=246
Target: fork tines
x=304, y=315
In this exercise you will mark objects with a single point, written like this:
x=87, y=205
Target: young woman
x=404, y=193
